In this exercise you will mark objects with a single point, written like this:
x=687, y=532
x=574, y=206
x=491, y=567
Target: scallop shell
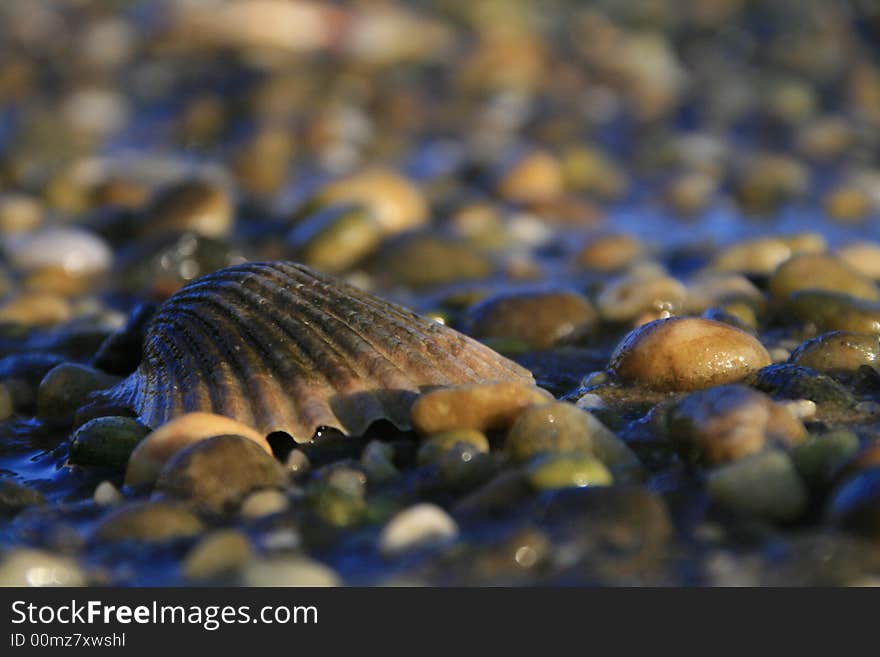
x=281, y=347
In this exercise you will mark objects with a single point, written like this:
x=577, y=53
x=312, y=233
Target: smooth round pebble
x=838, y=351
x=420, y=526
x=148, y=521
x=106, y=494
x=434, y=447
x=538, y=319
x=106, y=441
x=217, y=554
x=33, y=567
x=480, y=406
x=820, y=272
x=288, y=572
x=264, y=503
x=765, y=484
x=159, y=446
x=554, y=471
x=66, y=387
x=686, y=353
x=75, y=250
x=729, y=422
x=216, y=474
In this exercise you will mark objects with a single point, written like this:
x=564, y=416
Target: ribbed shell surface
x=284, y=348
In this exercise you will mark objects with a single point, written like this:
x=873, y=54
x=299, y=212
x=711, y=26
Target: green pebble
x=553, y=471
x=438, y=444
x=106, y=442
x=819, y=457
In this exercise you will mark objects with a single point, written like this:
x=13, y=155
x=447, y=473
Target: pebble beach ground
x=641, y=240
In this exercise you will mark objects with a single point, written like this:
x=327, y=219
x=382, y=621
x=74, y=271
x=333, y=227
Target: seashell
x=283, y=348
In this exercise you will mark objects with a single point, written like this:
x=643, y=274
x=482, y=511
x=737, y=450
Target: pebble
x=820, y=272
x=216, y=474
x=538, y=319
x=610, y=253
x=838, y=351
x=864, y=257
x=686, y=353
x=219, y=553
x=191, y=206
x=19, y=213
x=426, y=260
x=67, y=387
x=264, y=503
x=15, y=497
x=106, y=494
x=394, y=201
x=820, y=457
x=562, y=427
x=36, y=308
x=335, y=238
x=159, y=446
x=149, y=522
x=377, y=460
x=766, y=485
x=435, y=446
x=7, y=402
x=712, y=289
x=554, y=471
x=480, y=406
x=641, y=294
x=417, y=527
x=726, y=423
x=847, y=203
x=33, y=567
x=288, y=571
x=691, y=192
x=832, y=311
x=535, y=177
x=787, y=381
x=75, y=250
x=855, y=504
x=106, y=442
x=760, y=256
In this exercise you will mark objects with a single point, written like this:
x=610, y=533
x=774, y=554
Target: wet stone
x=32, y=567
x=336, y=238
x=820, y=272
x=838, y=351
x=728, y=422
x=151, y=454
x=153, y=522
x=216, y=474
x=15, y=497
x=855, y=504
x=220, y=553
x=832, y=311
x=765, y=485
x=561, y=427
x=786, y=381
x=435, y=446
x=67, y=387
x=418, y=527
x=686, y=353
x=538, y=319
x=106, y=442
x=552, y=471
x=476, y=406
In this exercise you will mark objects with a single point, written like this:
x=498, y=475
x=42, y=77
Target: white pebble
x=263, y=503
x=106, y=494
x=29, y=567
x=289, y=571
x=419, y=526
x=75, y=250
x=591, y=402
x=801, y=409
